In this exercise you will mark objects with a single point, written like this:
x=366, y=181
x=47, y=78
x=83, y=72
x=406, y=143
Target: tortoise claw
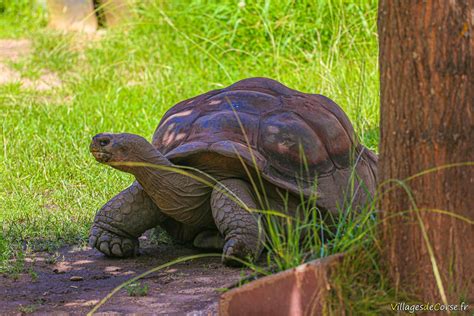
x=235, y=248
x=112, y=245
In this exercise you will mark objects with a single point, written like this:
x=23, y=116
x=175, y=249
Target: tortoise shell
x=291, y=138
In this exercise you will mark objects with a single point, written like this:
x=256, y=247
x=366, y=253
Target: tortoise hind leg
x=186, y=234
x=209, y=239
x=119, y=223
x=240, y=228
x=179, y=232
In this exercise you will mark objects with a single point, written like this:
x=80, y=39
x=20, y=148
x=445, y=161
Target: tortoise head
x=113, y=149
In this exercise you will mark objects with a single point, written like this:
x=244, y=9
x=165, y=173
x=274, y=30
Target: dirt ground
x=15, y=49
x=77, y=279
x=74, y=280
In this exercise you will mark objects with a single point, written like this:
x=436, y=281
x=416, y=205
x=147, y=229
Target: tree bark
x=427, y=104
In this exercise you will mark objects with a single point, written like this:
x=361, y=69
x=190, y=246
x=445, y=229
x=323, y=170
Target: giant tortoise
x=217, y=158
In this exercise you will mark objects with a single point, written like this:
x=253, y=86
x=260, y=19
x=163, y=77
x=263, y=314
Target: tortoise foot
x=236, y=249
x=111, y=244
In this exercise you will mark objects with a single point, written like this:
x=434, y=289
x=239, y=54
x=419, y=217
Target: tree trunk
x=427, y=102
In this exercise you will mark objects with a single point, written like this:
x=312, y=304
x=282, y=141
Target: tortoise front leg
x=119, y=223
x=240, y=228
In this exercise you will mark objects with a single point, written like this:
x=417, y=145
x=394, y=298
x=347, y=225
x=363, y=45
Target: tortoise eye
x=104, y=142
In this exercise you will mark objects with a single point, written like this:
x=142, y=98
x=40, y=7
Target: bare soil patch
x=12, y=50
x=79, y=278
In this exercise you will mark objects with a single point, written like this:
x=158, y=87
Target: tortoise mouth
x=101, y=156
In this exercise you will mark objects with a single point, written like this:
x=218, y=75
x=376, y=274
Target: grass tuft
x=137, y=289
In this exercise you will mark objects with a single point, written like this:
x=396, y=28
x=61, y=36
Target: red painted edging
x=299, y=291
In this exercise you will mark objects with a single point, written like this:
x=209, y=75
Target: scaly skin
x=240, y=228
x=183, y=205
x=119, y=223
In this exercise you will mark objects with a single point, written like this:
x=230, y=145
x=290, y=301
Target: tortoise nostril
x=104, y=142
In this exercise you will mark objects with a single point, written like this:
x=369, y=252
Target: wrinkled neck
x=150, y=164
x=176, y=193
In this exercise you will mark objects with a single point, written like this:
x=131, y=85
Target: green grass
x=172, y=50
x=137, y=289
x=19, y=17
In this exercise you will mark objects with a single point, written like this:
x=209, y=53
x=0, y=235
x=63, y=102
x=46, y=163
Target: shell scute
x=224, y=125
x=291, y=145
x=291, y=137
x=242, y=101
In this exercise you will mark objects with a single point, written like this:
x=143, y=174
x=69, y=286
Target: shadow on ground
x=190, y=287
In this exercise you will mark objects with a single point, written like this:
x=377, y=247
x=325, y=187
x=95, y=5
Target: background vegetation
x=126, y=78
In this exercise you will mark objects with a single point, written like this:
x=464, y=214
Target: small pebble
x=76, y=278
